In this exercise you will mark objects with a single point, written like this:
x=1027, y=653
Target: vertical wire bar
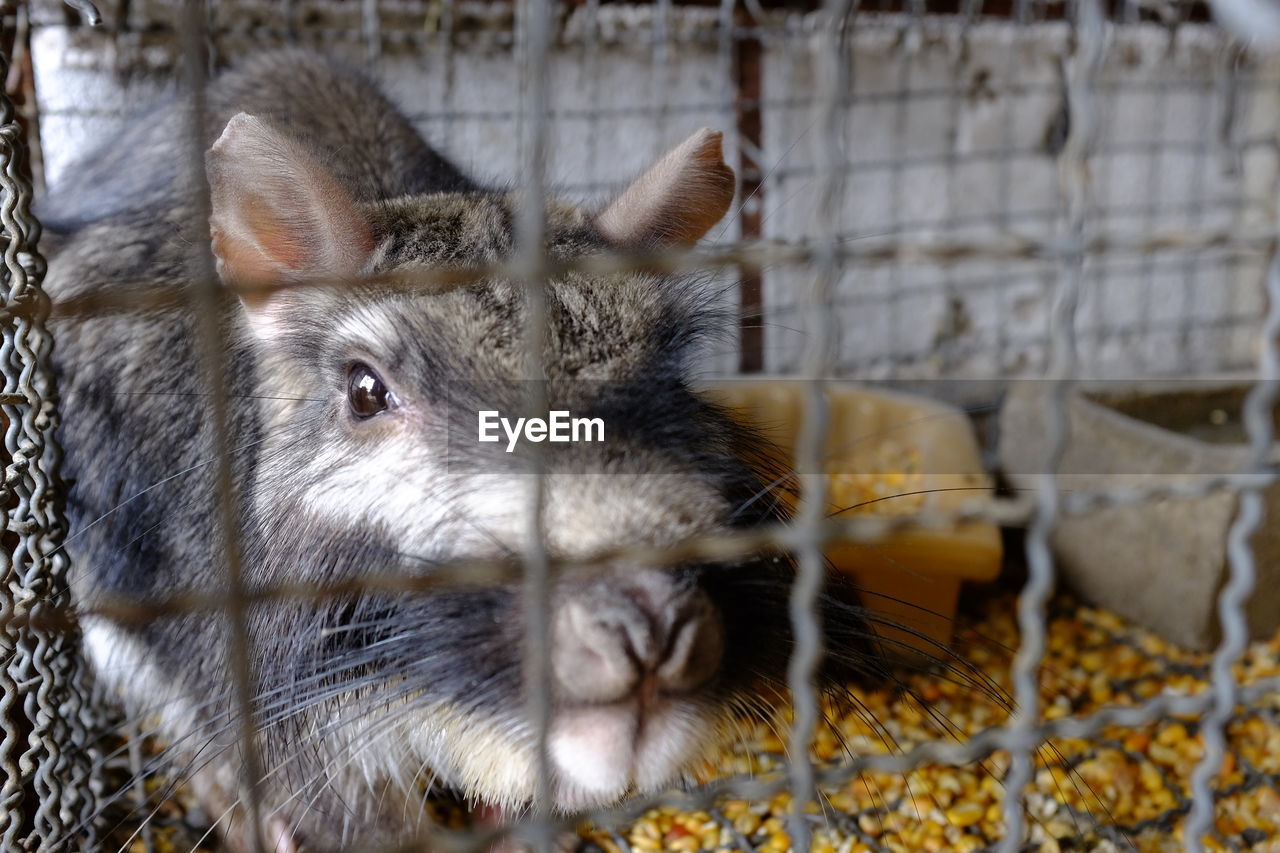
x=725, y=37
x=951, y=159
x=1153, y=199
x=83, y=721
x=811, y=513
x=206, y=301
x=1003, y=218
x=11, y=793
x=1253, y=101
x=69, y=762
x=1111, y=172
x=898, y=181
x=87, y=726
x=663, y=70
x=35, y=572
x=448, y=98
x=289, y=15
x=75, y=753
x=534, y=40
x=26, y=650
x=745, y=72
x=80, y=724
x=134, y=732
x=1237, y=94
x=1197, y=215
x=591, y=64
x=1257, y=415
x=1220, y=89
x=1073, y=163
x=846, y=119
x=371, y=30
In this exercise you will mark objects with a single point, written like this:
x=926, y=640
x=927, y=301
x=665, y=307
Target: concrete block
x=1161, y=562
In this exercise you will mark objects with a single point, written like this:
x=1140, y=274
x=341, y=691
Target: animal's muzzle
x=635, y=636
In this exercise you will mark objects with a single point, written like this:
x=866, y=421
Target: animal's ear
x=277, y=217
x=676, y=201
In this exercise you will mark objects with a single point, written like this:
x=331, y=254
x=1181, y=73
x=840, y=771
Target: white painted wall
x=944, y=137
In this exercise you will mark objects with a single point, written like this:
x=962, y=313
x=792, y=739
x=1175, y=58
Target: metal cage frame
x=47, y=762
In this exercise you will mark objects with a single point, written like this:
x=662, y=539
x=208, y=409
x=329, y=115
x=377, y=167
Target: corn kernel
x=965, y=815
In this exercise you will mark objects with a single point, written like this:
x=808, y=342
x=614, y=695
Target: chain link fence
x=966, y=193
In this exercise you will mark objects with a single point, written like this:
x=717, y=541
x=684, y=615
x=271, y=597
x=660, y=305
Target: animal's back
x=336, y=110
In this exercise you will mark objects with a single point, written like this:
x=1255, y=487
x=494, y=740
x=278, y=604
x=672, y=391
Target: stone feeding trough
x=1162, y=561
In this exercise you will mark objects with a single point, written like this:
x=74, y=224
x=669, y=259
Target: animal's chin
x=601, y=754
x=597, y=755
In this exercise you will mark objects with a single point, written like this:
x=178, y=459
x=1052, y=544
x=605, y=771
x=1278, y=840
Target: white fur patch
x=597, y=755
x=593, y=749
x=122, y=666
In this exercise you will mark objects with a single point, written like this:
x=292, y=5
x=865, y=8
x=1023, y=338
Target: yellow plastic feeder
x=889, y=453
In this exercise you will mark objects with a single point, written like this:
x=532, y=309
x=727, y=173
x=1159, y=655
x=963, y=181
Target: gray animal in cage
x=355, y=450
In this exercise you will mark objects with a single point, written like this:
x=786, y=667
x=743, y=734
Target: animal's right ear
x=278, y=217
x=676, y=201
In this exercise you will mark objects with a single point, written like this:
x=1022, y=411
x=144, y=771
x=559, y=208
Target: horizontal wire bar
x=761, y=786
x=1008, y=247
x=724, y=546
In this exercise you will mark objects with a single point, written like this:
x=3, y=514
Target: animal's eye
x=367, y=394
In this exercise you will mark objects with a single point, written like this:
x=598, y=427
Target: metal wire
x=206, y=302
x=1073, y=165
x=40, y=670
x=810, y=457
x=531, y=260
x=1096, y=244
x=1258, y=415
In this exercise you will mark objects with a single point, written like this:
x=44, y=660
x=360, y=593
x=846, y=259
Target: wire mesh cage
x=984, y=203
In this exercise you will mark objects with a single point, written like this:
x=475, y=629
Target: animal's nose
x=645, y=632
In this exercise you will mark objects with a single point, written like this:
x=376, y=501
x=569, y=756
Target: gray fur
x=355, y=696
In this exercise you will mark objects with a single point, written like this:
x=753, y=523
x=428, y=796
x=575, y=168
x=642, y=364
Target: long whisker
x=188, y=470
